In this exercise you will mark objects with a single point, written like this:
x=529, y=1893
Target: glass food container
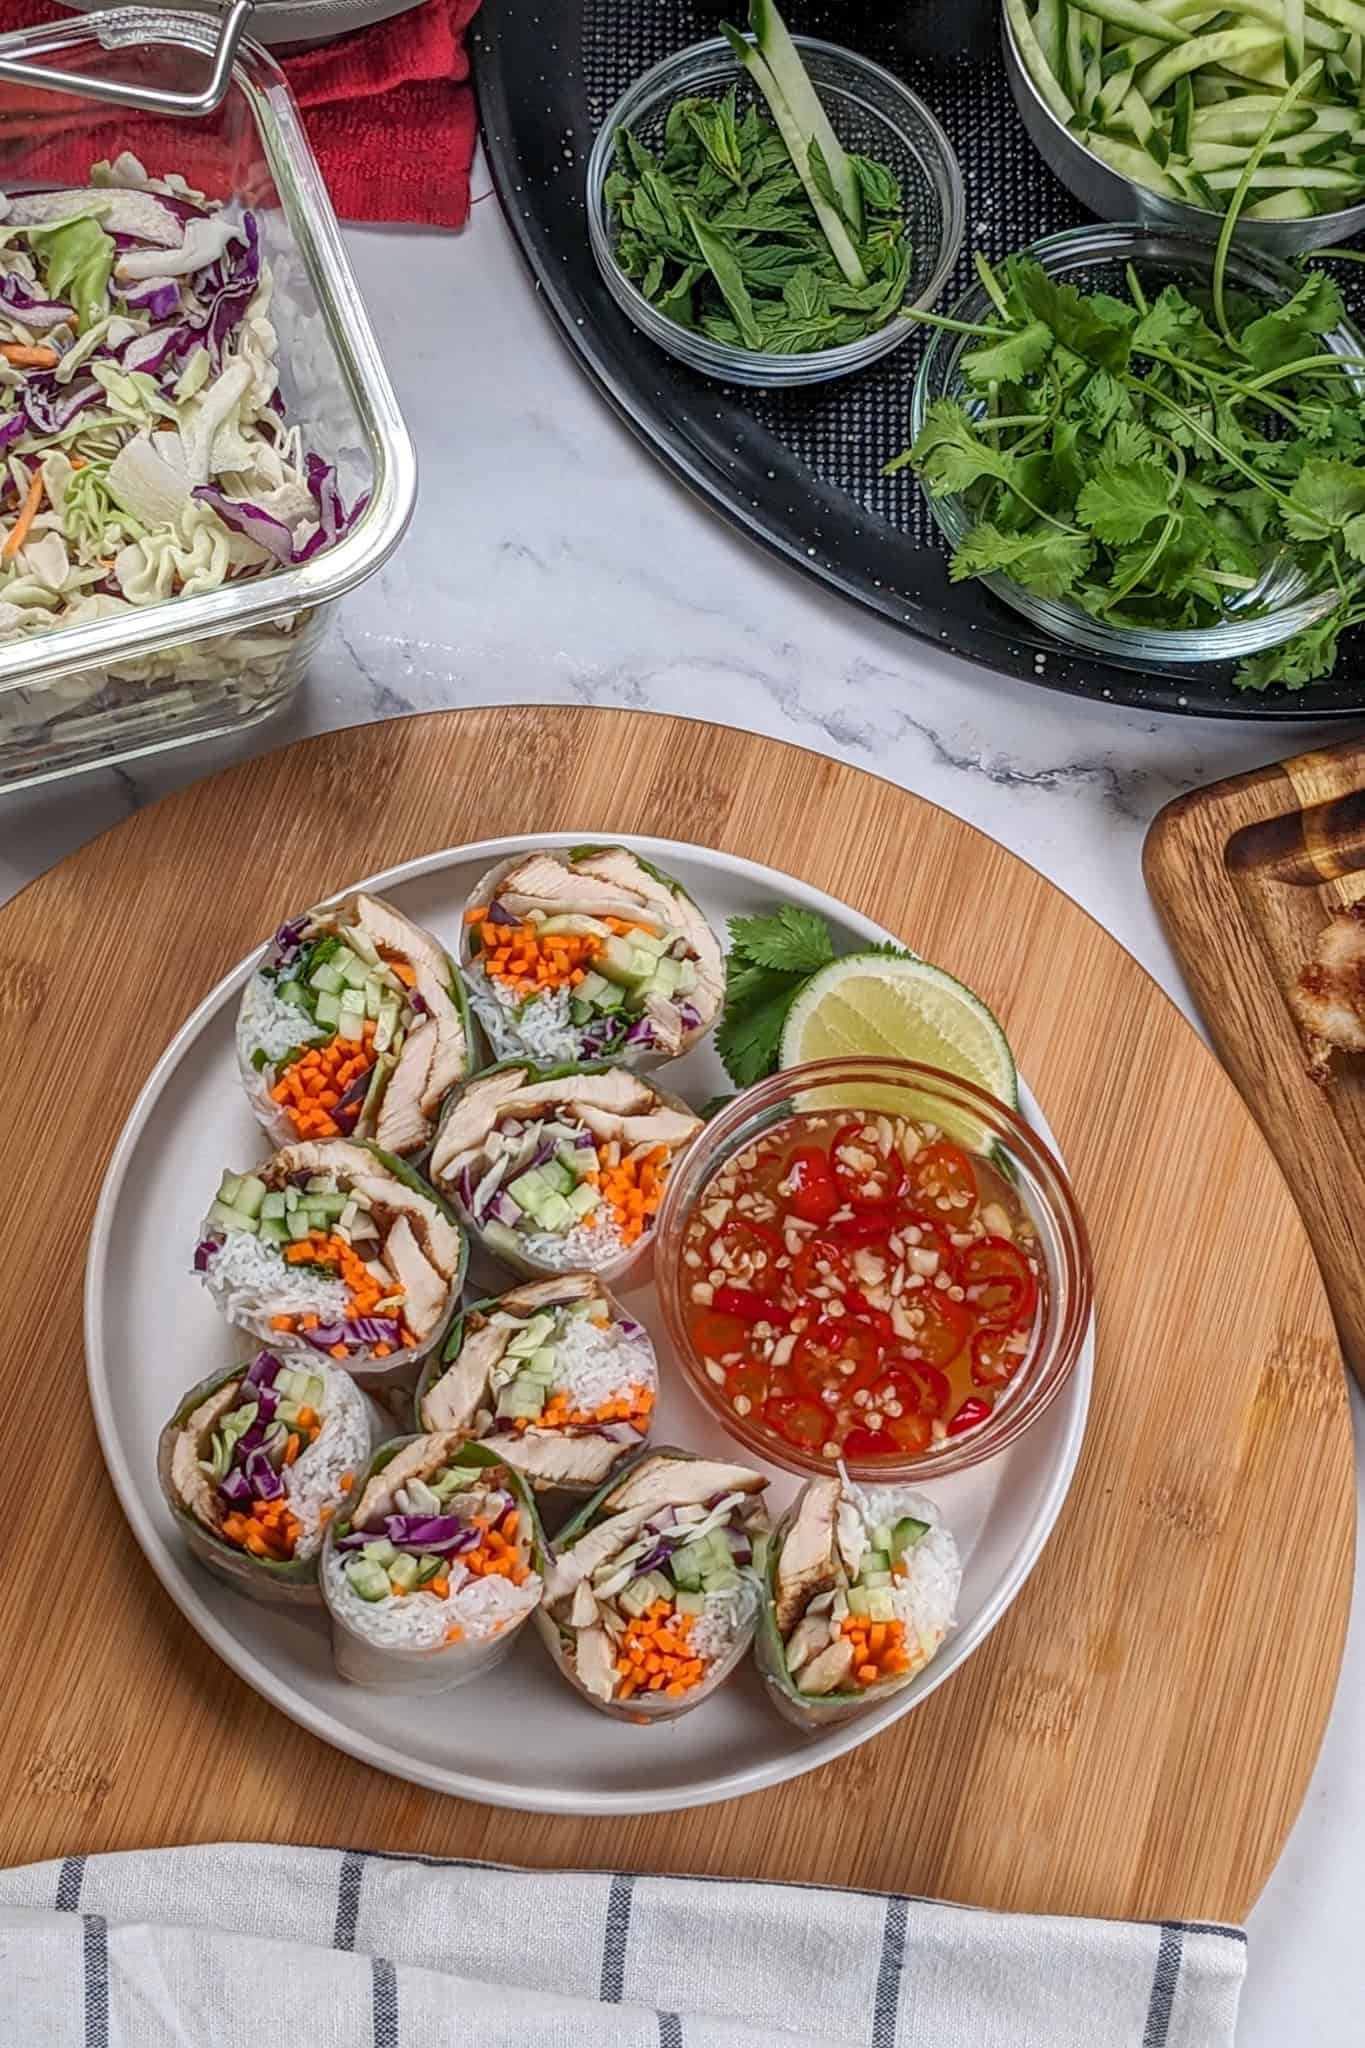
x=198, y=667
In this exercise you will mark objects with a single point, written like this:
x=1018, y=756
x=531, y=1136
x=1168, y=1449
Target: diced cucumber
x=293, y=992
x=690, y=1603
x=381, y=1551
x=530, y=1337
x=641, y=1593
x=386, y=1024
x=326, y=979
x=907, y=1534
x=558, y=1178
x=625, y=963
x=351, y=1023
x=875, y=1561
x=541, y=1365
x=327, y=1010
x=353, y=970
x=881, y=1536
x=881, y=1606
x=314, y=1391
x=519, y=1401
x=592, y=986
x=403, y=1571
x=859, y=1600
x=329, y=1207
x=374, y=996
x=720, y=1579
x=583, y=1200
x=361, y=943
x=221, y=1217
x=666, y=978
x=251, y=1194
x=874, y=1578
x=687, y=1564
x=528, y=1190
x=554, y=1213
x=289, y=1384
x=370, y=1581
x=299, y=1222
x=428, y=1568
x=501, y=1237
x=273, y=1230
x=274, y=1203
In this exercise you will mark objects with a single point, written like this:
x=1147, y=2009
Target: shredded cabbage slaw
x=144, y=451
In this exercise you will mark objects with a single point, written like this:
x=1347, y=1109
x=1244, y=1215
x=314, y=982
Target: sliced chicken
x=449, y=1057
x=851, y=1532
x=674, y=909
x=454, y=1399
x=403, y=1124
x=808, y=1638
x=474, y=1115
x=441, y=1242
x=538, y=1294
x=596, y=1548
x=661, y=1481
x=555, y=1457
x=805, y=1563
x=543, y=882
x=827, y=1672
x=394, y=936
x=594, y=1663
x=194, y=1442
x=666, y=1023
x=426, y=1454
x=425, y=1291
x=583, y=1607
x=486, y=1101
x=1328, y=999
x=662, y=1126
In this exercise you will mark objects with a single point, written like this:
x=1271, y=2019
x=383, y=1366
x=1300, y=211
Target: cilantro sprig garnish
x=771, y=958
x=1151, y=459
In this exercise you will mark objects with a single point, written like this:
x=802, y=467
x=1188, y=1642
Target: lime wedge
x=870, y=1005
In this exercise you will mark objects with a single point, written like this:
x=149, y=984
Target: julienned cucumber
x=801, y=135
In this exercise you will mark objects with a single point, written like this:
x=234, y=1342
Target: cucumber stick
x=782, y=58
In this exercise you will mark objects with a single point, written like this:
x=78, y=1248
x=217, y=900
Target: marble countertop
x=552, y=560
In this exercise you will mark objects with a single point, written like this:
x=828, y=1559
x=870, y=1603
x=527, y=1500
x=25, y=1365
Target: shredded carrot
x=319, y=1249
x=325, y=1515
x=310, y=1089
x=632, y=1188
x=25, y=358
x=346, y=1481
x=455, y=1635
x=291, y=1447
x=18, y=533
x=271, y=1530
x=655, y=1655
x=634, y=1407
x=477, y=916
x=496, y=1556
x=440, y=1586
x=282, y=1322
x=531, y=960
x=308, y=1418
x=878, y=1648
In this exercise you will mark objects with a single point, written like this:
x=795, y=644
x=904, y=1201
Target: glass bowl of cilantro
x=1154, y=449
x=773, y=251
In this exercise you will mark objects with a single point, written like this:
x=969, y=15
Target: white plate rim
x=807, y=1753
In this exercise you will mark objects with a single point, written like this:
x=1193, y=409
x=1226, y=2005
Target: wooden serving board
x=1134, y=1739
x=1244, y=875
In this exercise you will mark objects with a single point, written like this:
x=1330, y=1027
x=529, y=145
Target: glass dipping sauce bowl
x=979, y=1124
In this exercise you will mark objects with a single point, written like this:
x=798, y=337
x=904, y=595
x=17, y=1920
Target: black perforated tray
x=801, y=471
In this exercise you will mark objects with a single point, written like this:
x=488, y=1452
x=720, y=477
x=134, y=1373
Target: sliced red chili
x=993, y=1362
x=750, y=1307
x=714, y=1335
x=876, y=1319
x=945, y=1329
x=843, y=1353
x=872, y=1188
x=743, y=1241
x=909, y=1432
x=815, y=1253
x=973, y=1411
x=942, y=1181
x=873, y=1226
x=998, y=1281
x=814, y=1193
x=920, y=1389
x=800, y=1422
x=870, y=1443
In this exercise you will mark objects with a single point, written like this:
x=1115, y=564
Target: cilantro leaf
x=1042, y=559
x=1282, y=336
x=1304, y=659
x=1126, y=441
x=1326, y=495
x=1097, y=327
x=794, y=940
x=750, y=1030
x=1353, y=535
x=948, y=455
x=1009, y=360
x=1120, y=501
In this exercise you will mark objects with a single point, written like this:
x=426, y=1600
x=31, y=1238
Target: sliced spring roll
x=335, y=1249
x=861, y=1589
x=654, y=1587
x=590, y=954
x=254, y=1464
x=434, y=1570
x=554, y=1377
x=355, y=1025
x=563, y=1169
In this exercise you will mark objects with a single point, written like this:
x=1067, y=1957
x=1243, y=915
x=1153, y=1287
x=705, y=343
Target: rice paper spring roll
x=434, y=1570
x=562, y=1169
x=654, y=1587
x=355, y=1024
x=554, y=1377
x=861, y=1589
x=335, y=1249
x=589, y=954
x=256, y=1461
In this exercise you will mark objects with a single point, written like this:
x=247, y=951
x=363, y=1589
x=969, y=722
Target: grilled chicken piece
x=448, y=1059
x=544, y=883
x=188, y=1477
x=555, y=1457
x=583, y=1608
x=851, y=1535
x=675, y=910
x=403, y=1124
x=594, y=1662
x=394, y=937
x=424, y=1289
x=681, y=1482
x=805, y=1564
x=809, y=1637
x=1328, y=999
x=538, y=1294
x=571, y=1567
x=440, y=1241
x=474, y=1115
x=454, y=1399
x=415, y=1461
x=616, y=1093
x=827, y=1672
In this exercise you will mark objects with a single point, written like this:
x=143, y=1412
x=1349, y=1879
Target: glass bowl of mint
x=770, y=209
x=1154, y=449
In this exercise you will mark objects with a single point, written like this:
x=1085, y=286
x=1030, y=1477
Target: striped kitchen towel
x=228, y=1946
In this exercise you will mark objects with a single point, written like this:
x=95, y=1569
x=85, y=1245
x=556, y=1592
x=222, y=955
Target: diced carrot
x=18, y=533
x=24, y=358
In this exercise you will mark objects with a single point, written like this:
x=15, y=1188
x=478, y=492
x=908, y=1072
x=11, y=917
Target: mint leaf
x=947, y=454
x=1120, y=502
x=1042, y=559
x=1010, y=360
x=880, y=189
x=795, y=940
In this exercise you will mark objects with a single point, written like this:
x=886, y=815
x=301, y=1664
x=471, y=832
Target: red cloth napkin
x=389, y=111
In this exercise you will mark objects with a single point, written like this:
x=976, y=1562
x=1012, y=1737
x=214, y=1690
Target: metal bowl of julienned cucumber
x=1106, y=191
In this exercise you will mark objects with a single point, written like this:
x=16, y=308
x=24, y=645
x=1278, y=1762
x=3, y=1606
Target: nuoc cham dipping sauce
x=860, y=1286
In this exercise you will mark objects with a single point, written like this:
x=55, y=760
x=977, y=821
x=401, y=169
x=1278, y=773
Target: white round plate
x=519, y=1737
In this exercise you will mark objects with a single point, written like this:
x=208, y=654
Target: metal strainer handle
x=152, y=99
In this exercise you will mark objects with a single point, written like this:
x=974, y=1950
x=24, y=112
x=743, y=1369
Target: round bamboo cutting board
x=1134, y=1739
